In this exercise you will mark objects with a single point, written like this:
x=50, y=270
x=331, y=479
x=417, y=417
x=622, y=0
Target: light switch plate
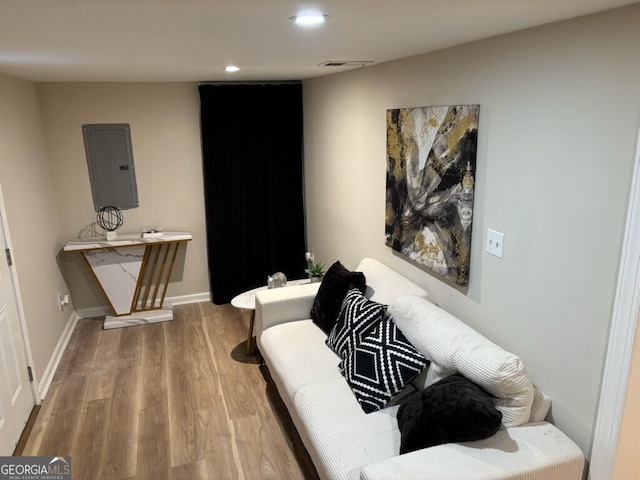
x=495, y=242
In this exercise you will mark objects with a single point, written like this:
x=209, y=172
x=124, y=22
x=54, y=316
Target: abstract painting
x=431, y=164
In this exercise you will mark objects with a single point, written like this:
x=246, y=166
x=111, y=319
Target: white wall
x=165, y=135
x=559, y=117
x=32, y=218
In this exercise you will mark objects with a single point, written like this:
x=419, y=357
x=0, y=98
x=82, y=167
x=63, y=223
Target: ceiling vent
x=345, y=63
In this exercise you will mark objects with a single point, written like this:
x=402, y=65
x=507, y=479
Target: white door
x=16, y=397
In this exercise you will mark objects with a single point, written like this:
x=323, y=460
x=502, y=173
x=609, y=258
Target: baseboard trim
x=54, y=361
x=177, y=300
x=190, y=298
x=92, y=312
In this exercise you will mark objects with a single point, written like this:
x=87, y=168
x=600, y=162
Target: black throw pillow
x=335, y=284
x=451, y=410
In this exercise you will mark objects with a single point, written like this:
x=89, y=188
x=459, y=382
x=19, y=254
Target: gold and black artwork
x=431, y=164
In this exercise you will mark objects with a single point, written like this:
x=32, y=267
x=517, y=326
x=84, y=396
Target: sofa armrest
x=532, y=451
x=280, y=305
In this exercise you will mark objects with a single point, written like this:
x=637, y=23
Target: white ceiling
x=177, y=40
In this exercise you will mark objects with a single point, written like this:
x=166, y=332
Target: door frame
x=622, y=333
x=4, y=228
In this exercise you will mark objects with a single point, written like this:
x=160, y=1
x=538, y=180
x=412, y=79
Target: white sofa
x=345, y=443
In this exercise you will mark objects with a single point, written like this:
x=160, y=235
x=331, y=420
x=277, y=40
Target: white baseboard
x=54, y=361
x=92, y=312
x=101, y=311
x=177, y=300
x=191, y=298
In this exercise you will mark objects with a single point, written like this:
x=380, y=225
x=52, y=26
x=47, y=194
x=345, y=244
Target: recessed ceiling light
x=231, y=69
x=309, y=19
x=345, y=63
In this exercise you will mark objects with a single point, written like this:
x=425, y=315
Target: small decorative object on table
x=110, y=219
x=151, y=232
x=314, y=270
x=277, y=280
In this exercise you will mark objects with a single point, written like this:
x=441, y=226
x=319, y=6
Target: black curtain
x=253, y=179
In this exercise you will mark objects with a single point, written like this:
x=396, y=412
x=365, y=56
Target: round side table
x=247, y=301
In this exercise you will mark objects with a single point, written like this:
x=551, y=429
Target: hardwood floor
x=175, y=400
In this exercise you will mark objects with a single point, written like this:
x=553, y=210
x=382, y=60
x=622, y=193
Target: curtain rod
x=277, y=82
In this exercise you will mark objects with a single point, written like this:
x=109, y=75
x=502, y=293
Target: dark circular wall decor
x=110, y=218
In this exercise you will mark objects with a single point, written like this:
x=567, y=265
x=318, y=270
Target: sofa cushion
x=296, y=355
x=540, y=407
x=385, y=284
x=532, y=451
x=454, y=346
x=339, y=436
x=381, y=365
x=452, y=410
x=335, y=284
x=358, y=316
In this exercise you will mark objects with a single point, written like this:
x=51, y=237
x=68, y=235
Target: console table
x=134, y=274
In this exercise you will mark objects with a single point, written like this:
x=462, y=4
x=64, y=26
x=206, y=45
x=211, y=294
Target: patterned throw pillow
x=358, y=316
x=382, y=365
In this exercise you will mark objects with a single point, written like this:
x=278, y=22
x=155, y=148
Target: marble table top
x=247, y=300
x=124, y=240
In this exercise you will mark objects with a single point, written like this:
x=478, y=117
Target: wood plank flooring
x=175, y=400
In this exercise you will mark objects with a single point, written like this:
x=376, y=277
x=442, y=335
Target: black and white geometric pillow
x=381, y=366
x=358, y=316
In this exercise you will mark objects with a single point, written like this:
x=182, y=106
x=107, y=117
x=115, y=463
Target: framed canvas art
x=431, y=164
